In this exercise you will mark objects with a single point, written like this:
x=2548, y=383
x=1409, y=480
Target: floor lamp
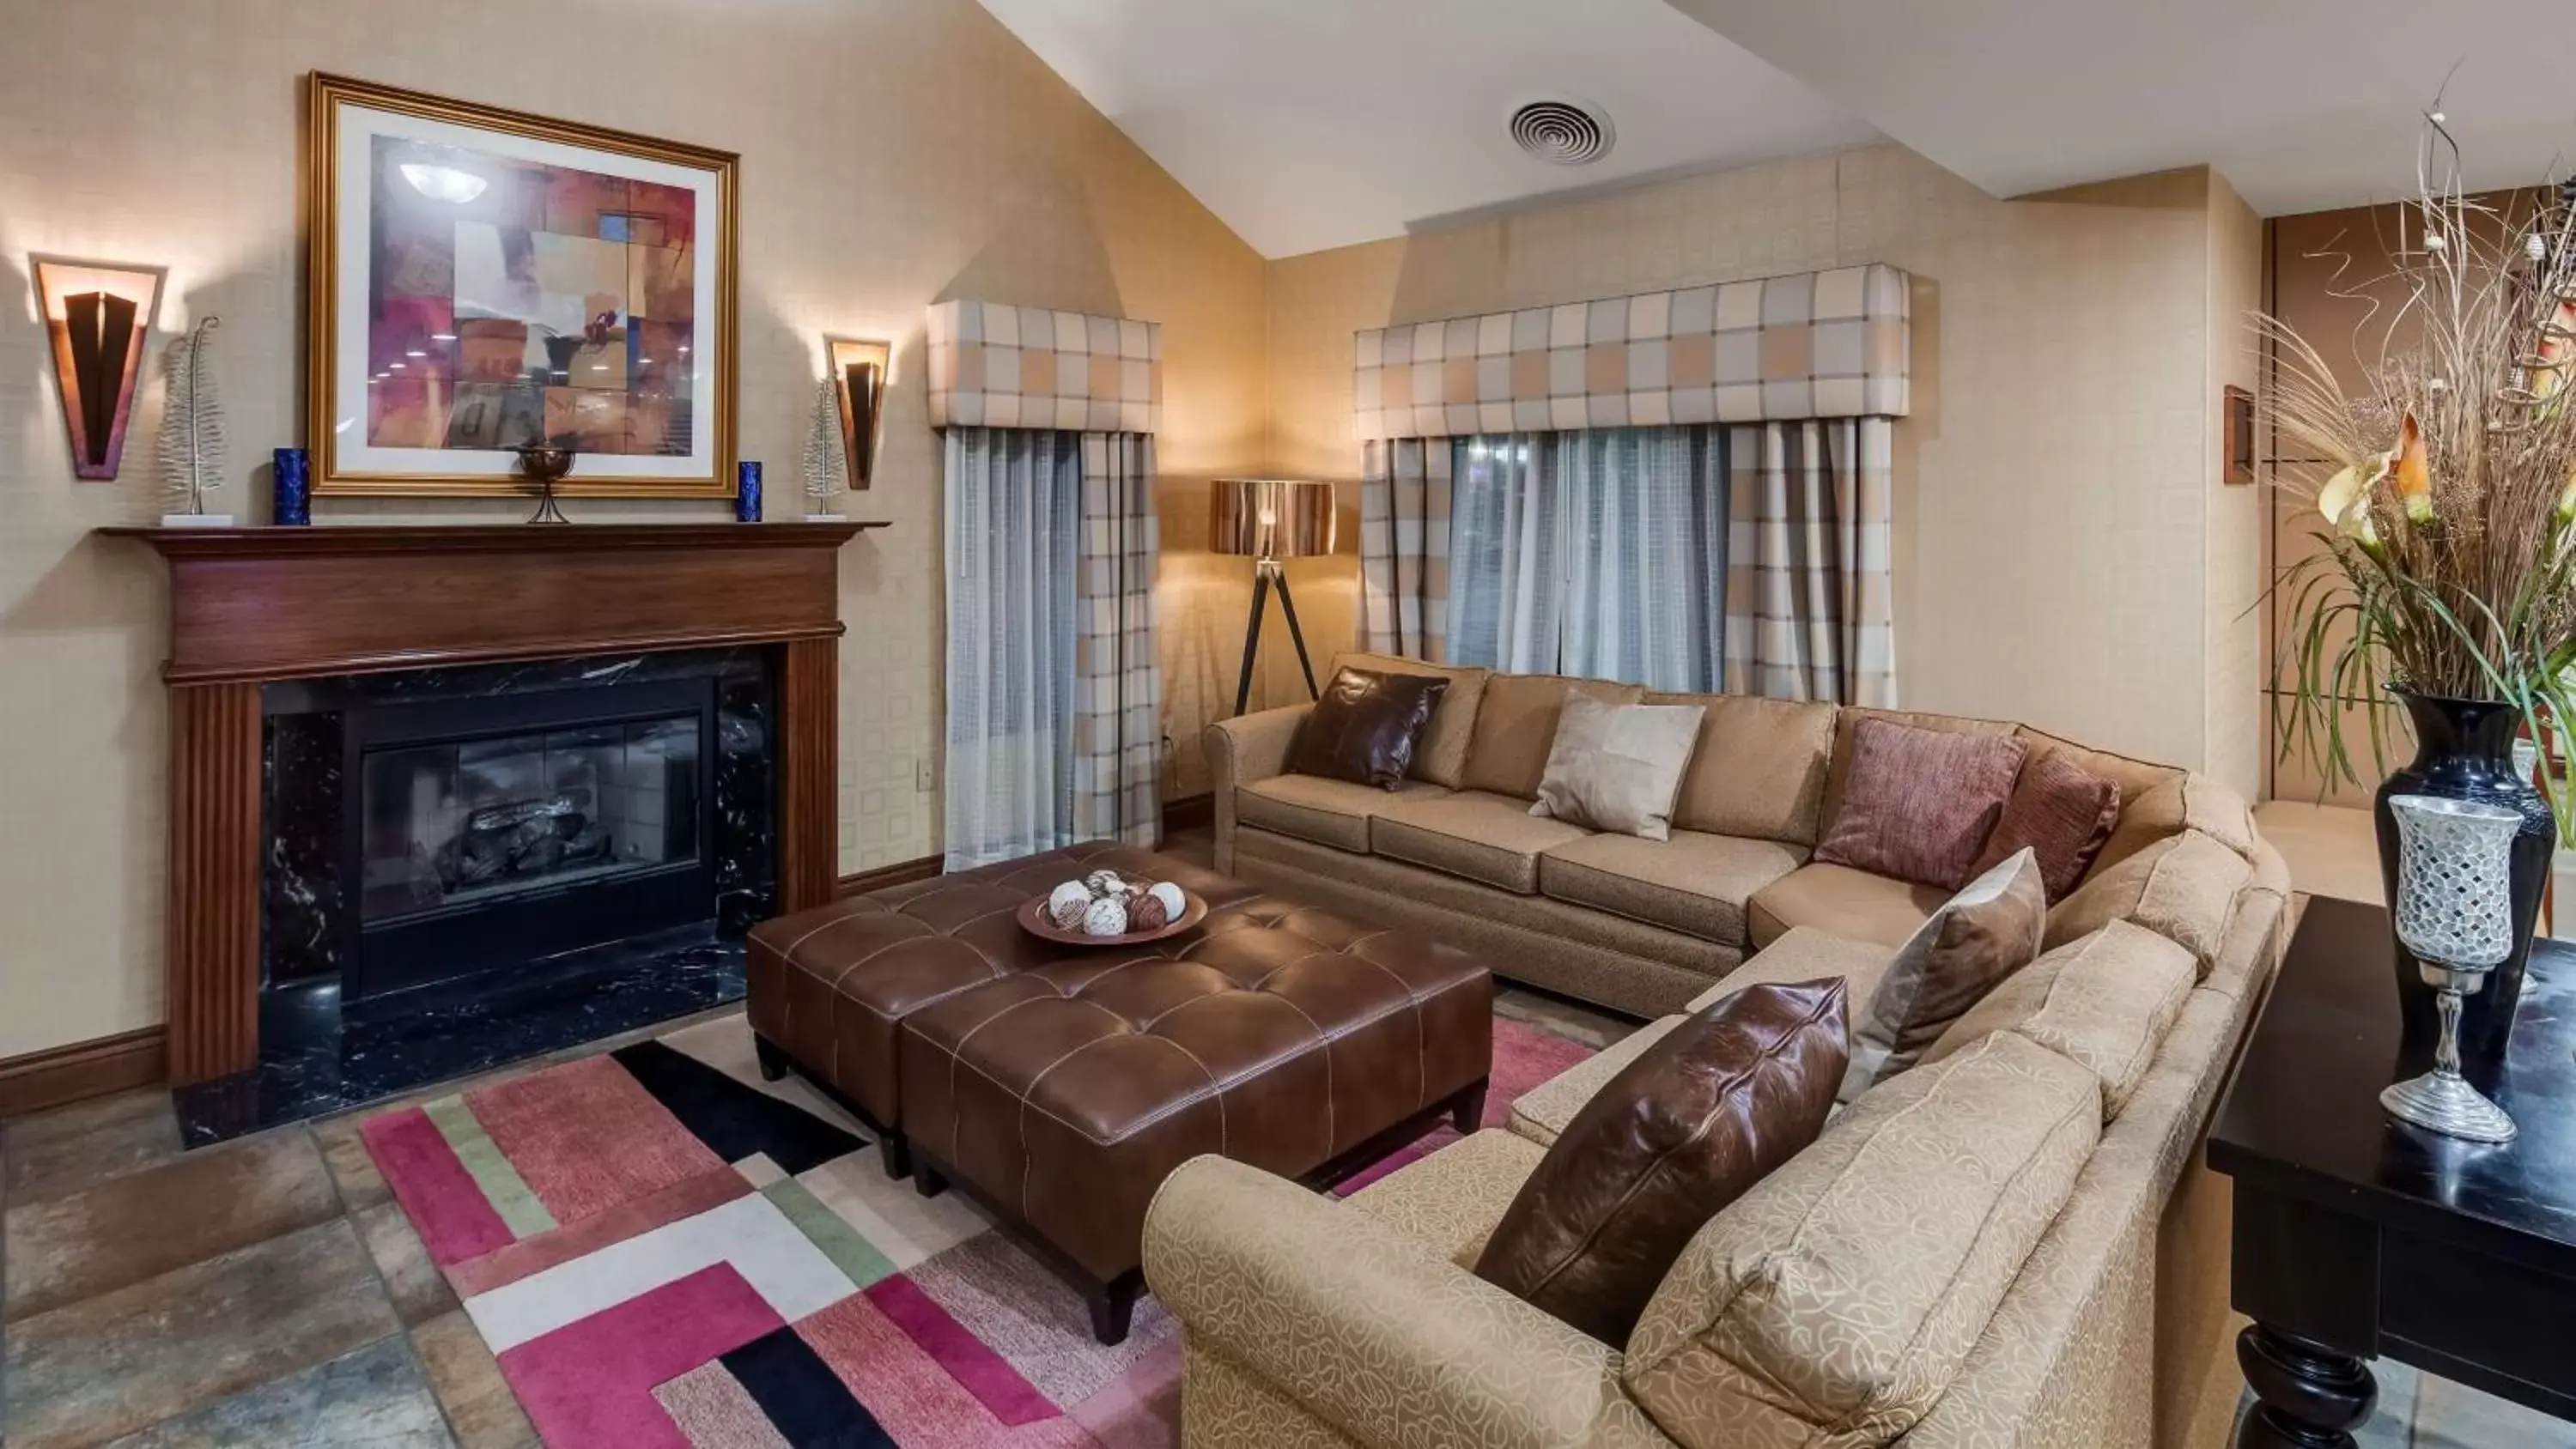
x=1270, y=519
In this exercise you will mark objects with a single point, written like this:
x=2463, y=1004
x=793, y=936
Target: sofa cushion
x=1364, y=726
x=1847, y=724
x=1807, y=954
x=1978, y=937
x=2187, y=802
x=1327, y=812
x=1840, y=901
x=1542, y=1113
x=1440, y=756
x=1516, y=726
x=1919, y=804
x=2183, y=887
x=1717, y=1104
x=1690, y=882
x=1470, y=833
x=2104, y=1001
x=1830, y=1306
x=1617, y=766
x=2061, y=810
x=1452, y=1198
x=1758, y=769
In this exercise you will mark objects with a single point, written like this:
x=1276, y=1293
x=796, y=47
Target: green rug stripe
x=826, y=1229
x=521, y=1211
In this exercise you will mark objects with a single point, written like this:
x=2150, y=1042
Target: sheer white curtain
x=1599, y=553
x=1013, y=515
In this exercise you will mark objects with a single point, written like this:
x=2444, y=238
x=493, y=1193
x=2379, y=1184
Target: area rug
x=664, y=1252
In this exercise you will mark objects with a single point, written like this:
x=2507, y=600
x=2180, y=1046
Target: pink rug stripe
x=986, y=1374
x=534, y=1255
x=918, y=1403
x=592, y=1382
x=586, y=1136
x=454, y=1219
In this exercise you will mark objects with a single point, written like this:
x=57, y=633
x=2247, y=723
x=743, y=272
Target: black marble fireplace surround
x=531, y=925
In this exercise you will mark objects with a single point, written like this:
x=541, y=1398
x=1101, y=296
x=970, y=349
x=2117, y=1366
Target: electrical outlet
x=922, y=779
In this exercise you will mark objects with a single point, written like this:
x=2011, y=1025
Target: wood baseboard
x=1190, y=812
x=902, y=872
x=83, y=1069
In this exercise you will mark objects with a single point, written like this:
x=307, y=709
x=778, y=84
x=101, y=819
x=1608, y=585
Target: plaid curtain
x=1809, y=600
x=1054, y=700
x=1118, y=688
x=1404, y=547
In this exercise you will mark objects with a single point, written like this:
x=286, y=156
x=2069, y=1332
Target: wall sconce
x=859, y=372
x=96, y=316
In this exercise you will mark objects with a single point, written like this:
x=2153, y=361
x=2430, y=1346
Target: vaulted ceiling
x=1327, y=122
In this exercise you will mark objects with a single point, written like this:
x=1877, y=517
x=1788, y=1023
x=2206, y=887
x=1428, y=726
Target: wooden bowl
x=1034, y=920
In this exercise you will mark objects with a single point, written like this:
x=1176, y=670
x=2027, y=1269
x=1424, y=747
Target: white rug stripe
x=782, y=1265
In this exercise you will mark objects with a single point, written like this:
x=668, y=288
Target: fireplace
x=460, y=832
x=408, y=775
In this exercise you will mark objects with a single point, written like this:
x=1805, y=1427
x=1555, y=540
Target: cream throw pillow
x=1980, y=936
x=1618, y=767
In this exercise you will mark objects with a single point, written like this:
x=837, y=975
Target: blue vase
x=746, y=498
x=294, y=476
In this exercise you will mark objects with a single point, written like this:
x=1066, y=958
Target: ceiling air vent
x=1562, y=132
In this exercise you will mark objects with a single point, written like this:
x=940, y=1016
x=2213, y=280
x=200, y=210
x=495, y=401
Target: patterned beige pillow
x=2105, y=1001
x=2183, y=888
x=1617, y=767
x=1832, y=1304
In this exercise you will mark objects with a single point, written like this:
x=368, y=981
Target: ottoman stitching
x=1326, y=1041
x=1215, y=1089
x=1020, y=1128
x=957, y=1055
x=788, y=951
x=844, y=975
x=1332, y=1114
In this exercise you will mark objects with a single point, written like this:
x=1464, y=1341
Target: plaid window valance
x=993, y=365
x=1830, y=344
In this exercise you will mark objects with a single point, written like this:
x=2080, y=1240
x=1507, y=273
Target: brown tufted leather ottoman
x=1061, y=1084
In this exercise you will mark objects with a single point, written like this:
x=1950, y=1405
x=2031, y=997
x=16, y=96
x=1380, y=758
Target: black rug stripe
x=734, y=1120
x=806, y=1402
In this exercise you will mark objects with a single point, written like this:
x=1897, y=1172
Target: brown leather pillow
x=1364, y=727
x=2061, y=810
x=1704, y=1114
x=1918, y=804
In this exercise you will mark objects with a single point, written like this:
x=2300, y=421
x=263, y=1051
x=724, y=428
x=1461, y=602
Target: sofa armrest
x=1241, y=750
x=1365, y=1328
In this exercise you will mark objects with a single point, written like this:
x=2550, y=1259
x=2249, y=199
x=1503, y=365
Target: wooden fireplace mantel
x=252, y=605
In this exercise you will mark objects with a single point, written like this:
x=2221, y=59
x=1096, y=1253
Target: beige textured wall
x=895, y=152
x=2234, y=611
x=2053, y=536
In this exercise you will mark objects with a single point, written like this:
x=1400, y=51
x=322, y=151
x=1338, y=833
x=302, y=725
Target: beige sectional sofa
x=2008, y=1245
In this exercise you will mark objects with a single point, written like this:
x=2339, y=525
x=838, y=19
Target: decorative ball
x=1066, y=905
x=1105, y=918
x=1175, y=905
x=1147, y=913
x=1106, y=884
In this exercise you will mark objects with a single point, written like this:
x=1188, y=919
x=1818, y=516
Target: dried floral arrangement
x=2447, y=495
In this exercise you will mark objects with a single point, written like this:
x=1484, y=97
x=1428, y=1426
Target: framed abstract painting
x=484, y=280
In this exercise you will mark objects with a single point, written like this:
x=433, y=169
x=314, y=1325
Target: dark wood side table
x=2358, y=1237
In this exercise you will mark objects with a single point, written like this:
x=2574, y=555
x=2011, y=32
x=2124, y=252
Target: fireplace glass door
x=526, y=827
x=453, y=824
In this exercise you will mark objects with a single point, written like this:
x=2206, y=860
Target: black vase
x=2464, y=751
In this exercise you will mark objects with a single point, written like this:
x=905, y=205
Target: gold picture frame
x=481, y=278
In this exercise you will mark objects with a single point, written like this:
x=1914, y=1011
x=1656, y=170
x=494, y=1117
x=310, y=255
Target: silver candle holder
x=2454, y=911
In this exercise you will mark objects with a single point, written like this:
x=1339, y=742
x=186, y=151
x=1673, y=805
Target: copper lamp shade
x=1270, y=518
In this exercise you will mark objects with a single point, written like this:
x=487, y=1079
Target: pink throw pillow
x=2064, y=812
x=1919, y=804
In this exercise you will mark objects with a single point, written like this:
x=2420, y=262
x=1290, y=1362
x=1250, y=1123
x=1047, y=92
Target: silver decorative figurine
x=2454, y=911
